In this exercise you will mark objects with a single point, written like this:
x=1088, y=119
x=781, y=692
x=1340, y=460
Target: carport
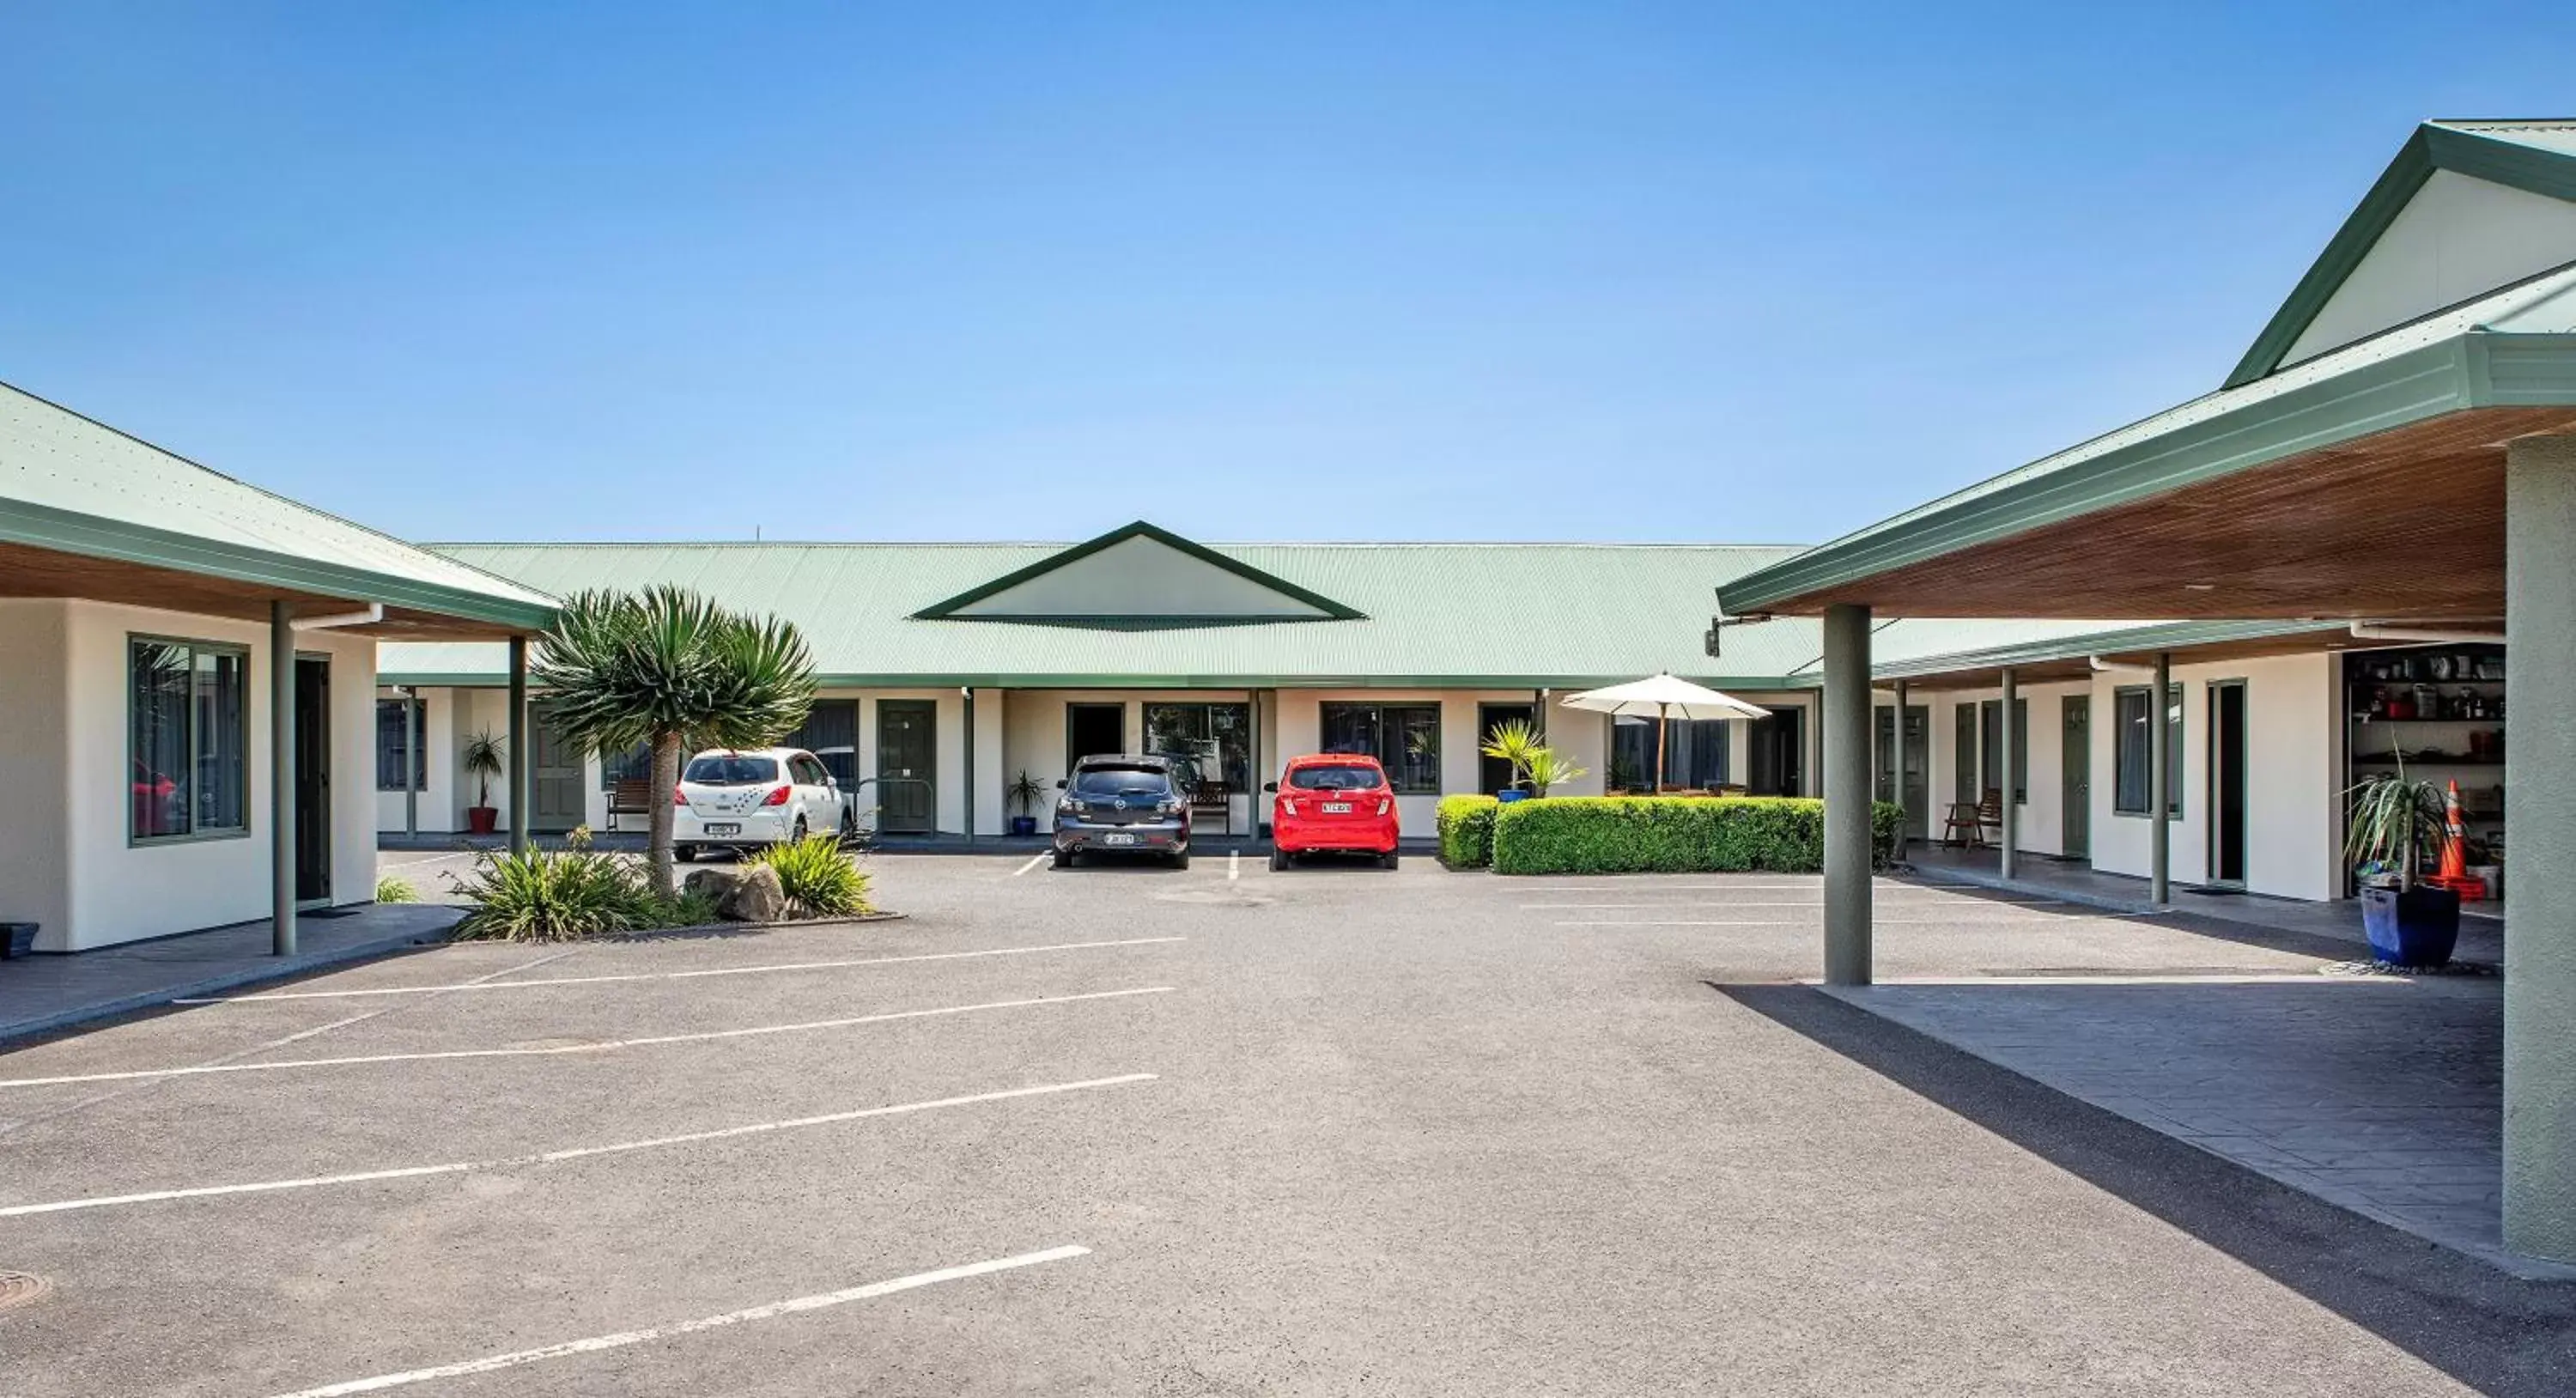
x=2398, y=450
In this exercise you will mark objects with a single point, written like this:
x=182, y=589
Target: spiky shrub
x=819, y=879
x=1512, y=741
x=1545, y=769
x=394, y=888
x=2394, y=819
x=554, y=896
x=668, y=669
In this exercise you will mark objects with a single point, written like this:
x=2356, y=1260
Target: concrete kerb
x=17, y=1033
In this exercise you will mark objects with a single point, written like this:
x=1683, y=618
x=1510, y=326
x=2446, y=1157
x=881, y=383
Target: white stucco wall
x=68, y=723
x=2457, y=239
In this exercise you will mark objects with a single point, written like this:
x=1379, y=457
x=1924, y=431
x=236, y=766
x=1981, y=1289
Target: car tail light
x=1288, y=805
x=679, y=797
x=777, y=798
x=1384, y=805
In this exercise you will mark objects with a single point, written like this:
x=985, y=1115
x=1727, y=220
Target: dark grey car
x=1133, y=804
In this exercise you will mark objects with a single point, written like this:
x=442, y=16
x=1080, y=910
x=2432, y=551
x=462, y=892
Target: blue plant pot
x=1510, y=794
x=2417, y=928
x=1024, y=825
x=17, y=939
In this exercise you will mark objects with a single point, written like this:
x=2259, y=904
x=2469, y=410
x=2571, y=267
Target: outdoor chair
x=1213, y=796
x=633, y=796
x=1964, y=827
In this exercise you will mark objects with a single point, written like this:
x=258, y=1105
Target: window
x=1103, y=783
x=2129, y=756
x=391, y=740
x=1215, y=739
x=731, y=769
x=1695, y=752
x=1404, y=738
x=633, y=765
x=1990, y=723
x=1333, y=778
x=188, y=739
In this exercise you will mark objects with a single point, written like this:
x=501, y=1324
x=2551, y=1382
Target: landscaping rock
x=756, y=896
x=715, y=881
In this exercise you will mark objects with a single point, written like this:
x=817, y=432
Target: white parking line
x=557, y=1157
x=1731, y=903
x=481, y=984
x=1874, y=922
x=1233, y=865
x=1034, y=861
x=663, y=1332
x=603, y=1046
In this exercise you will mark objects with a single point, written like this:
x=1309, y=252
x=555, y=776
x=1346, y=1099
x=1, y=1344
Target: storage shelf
x=2429, y=761
x=2360, y=722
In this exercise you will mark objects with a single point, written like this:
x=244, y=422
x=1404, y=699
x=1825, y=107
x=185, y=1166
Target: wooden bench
x=1965, y=826
x=634, y=796
x=1216, y=796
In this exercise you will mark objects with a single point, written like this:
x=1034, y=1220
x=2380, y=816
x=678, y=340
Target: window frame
x=2176, y=719
x=420, y=737
x=1206, y=713
x=1395, y=784
x=194, y=834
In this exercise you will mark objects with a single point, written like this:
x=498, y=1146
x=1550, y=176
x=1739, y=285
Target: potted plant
x=1545, y=769
x=2393, y=819
x=1512, y=741
x=1024, y=794
x=483, y=759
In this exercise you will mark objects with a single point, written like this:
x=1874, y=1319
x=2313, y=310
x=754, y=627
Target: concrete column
x=520, y=802
x=411, y=763
x=2159, y=797
x=969, y=694
x=1844, y=734
x=1896, y=768
x=2540, y=944
x=2010, y=853
x=281, y=777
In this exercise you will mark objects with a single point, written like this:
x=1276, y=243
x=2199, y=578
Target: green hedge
x=1466, y=826
x=1672, y=835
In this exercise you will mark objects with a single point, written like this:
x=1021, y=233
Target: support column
x=411, y=764
x=1845, y=737
x=520, y=802
x=2540, y=769
x=2011, y=850
x=281, y=777
x=969, y=692
x=1896, y=765
x=2159, y=792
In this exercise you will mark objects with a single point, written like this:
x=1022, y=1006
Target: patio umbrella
x=1662, y=698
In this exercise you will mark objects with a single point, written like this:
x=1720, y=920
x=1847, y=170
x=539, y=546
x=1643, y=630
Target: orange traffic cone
x=2455, y=837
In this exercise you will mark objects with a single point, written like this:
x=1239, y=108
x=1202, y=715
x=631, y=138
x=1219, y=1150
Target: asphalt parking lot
x=1131, y=1130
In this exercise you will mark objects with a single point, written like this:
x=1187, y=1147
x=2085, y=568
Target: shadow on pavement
x=2484, y=1328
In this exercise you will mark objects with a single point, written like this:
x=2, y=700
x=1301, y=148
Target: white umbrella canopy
x=1663, y=698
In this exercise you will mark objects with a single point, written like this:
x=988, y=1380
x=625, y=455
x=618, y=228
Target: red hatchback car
x=1332, y=801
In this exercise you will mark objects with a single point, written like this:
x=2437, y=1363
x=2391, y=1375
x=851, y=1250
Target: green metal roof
x=2538, y=157
x=75, y=486
x=2513, y=347
x=1497, y=615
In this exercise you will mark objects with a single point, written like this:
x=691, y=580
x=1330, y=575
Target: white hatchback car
x=742, y=800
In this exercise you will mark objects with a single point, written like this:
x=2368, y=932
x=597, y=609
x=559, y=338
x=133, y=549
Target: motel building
x=949, y=670
x=2361, y=544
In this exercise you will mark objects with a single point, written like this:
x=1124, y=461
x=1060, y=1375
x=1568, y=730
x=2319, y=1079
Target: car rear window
x=1121, y=781
x=1335, y=778
x=730, y=771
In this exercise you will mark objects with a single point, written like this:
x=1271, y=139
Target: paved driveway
x=1125, y=1130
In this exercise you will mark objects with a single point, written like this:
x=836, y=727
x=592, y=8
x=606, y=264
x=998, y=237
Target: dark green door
x=312, y=780
x=907, y=758
x=2076, y=814
x=554, y=779
x=1918, y=764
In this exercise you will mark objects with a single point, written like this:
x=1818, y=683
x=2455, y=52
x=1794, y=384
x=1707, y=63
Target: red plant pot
x=482, y=820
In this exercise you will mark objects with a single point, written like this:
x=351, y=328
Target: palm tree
x=667, y=669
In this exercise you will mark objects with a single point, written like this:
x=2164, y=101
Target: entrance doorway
x=312, y=781
x=2075, y=726
x=554, y=778
x=1918, y=765
x=2227, y=761
x=1093, y=730
x=1776, y=753
x=1493, y=773
x=907, y=755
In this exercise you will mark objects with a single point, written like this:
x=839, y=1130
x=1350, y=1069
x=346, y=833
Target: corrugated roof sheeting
x=54, y=459
x=1503, y=611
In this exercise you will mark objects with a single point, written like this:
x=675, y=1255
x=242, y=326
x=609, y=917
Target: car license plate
x=1117, y=839
x=723, y=828
x=1337, y=808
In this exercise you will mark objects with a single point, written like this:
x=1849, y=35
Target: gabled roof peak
x=1138, y=575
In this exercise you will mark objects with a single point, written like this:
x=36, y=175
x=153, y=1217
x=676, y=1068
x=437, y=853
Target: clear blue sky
x=1752, y=273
